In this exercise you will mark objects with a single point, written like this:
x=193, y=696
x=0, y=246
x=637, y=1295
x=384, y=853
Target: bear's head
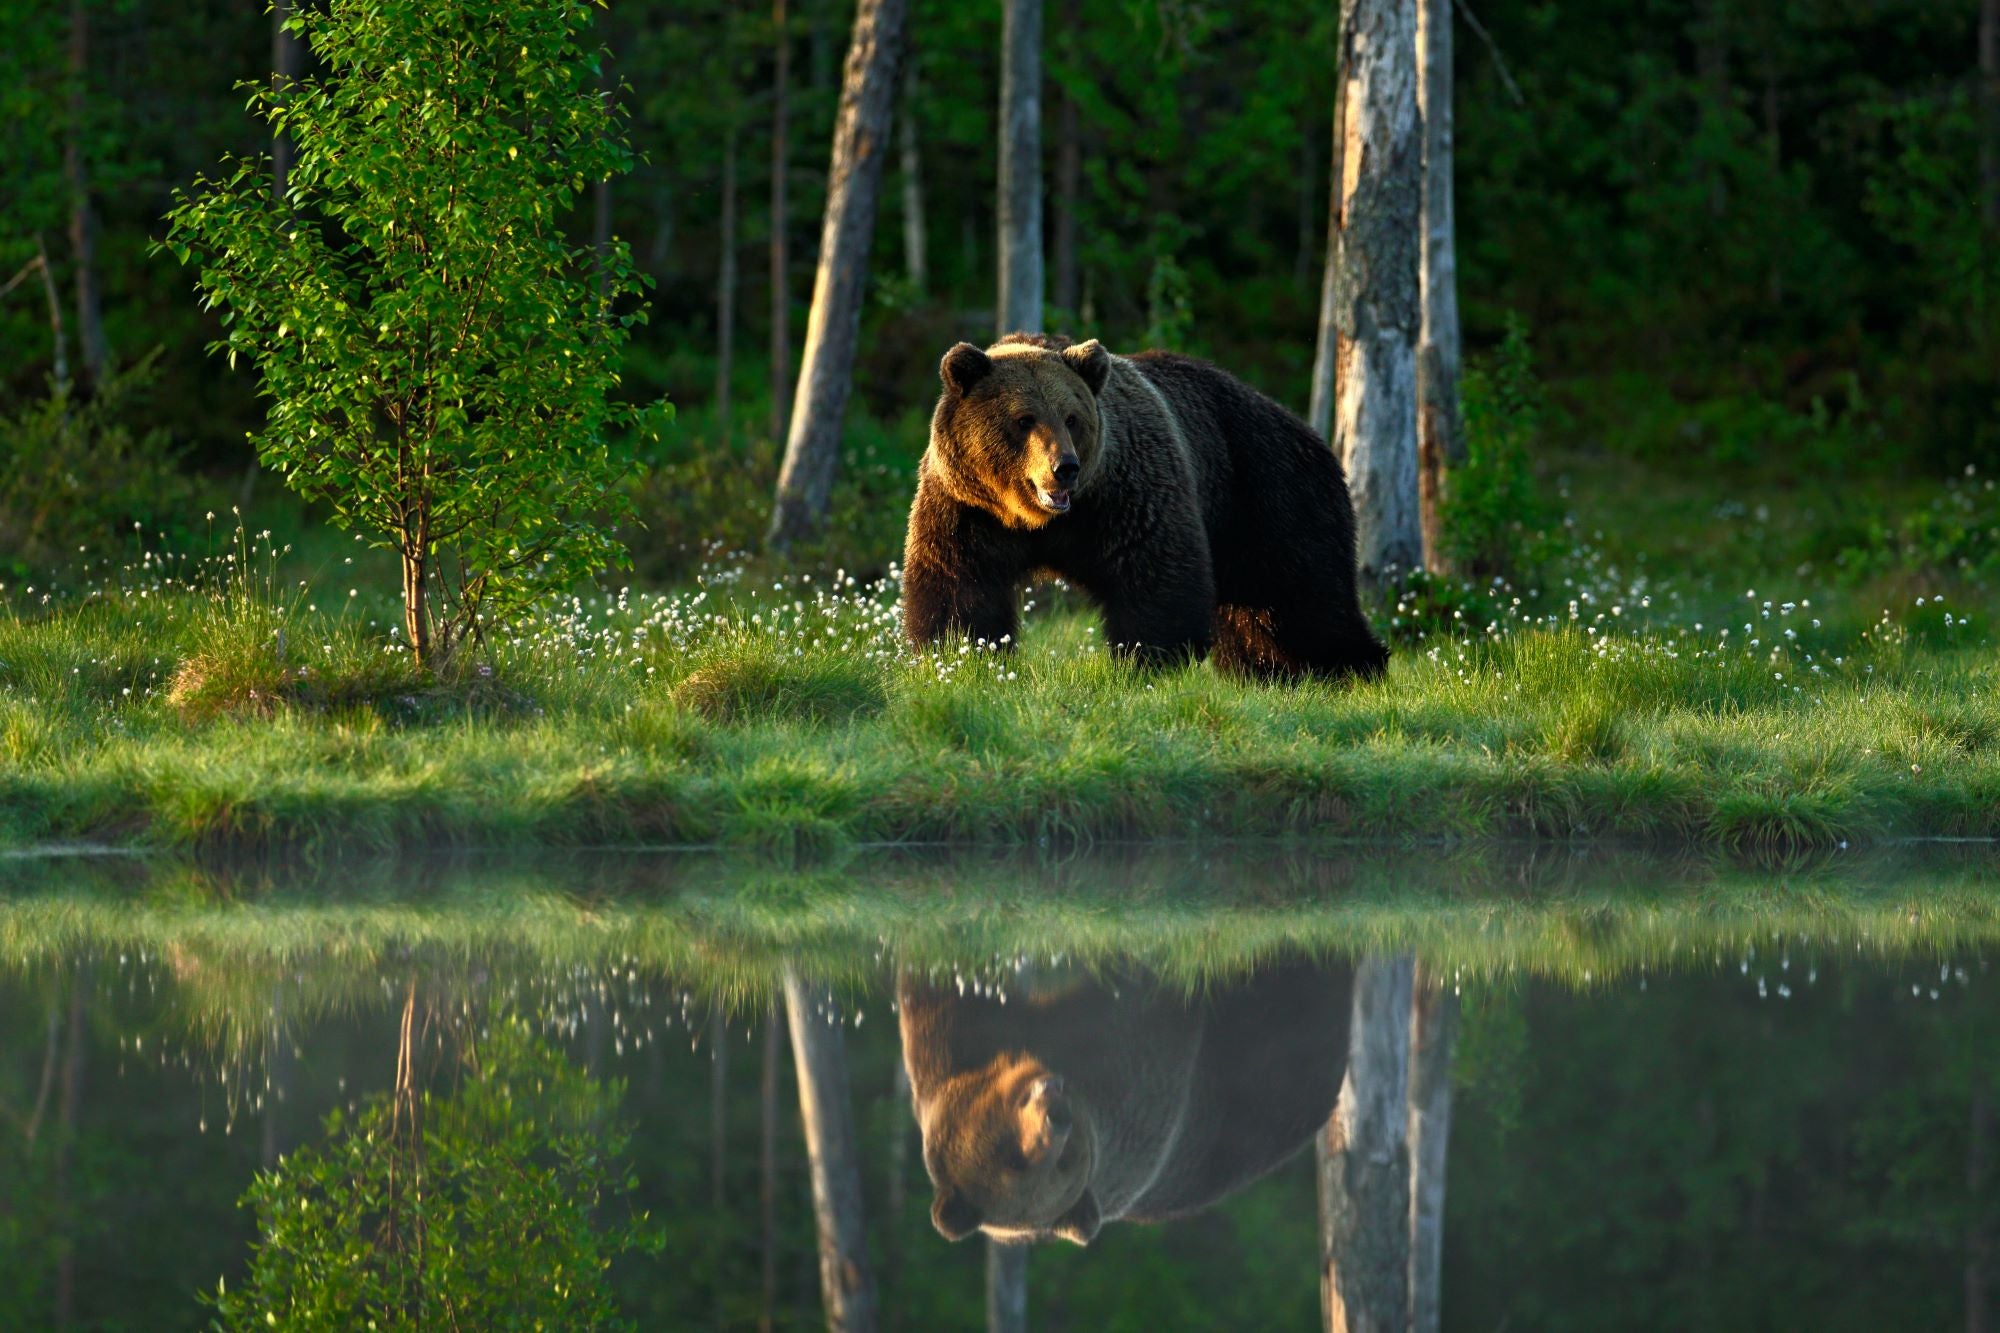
x=1010, y=1152
x=1017, y=430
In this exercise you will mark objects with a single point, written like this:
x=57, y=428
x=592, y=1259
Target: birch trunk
x=1440, y=442
x=1433, y=1040
x=1020, y=304
x=1069, y=178
x=91, y=345
x=854, y=177
x=916, y=255
x=1377, y=310
x=781, y=295
x=1364, y=1167
x=1319, y=412
x=767, y=1170
x=819, y=1056
x=1006, y=1288
x=725, y=288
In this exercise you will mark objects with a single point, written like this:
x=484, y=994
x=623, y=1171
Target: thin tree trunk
x=416, y=615
x=1440, y=446
x=854, y=177
x=1433, y=1040
x=277, y=1078
x=58, y=343
x=1308, y=213
x=1326, y=346
x=893, y=1304
x=767, y=1170
x=284, y=69
x=82, y=215
x=68, y=1108
x=1377, y=311
x=1978, y=1244
x=819, y=1056
x=1989, y=88
x=781, y=294
x=1020, y=305
x=916, y=256
x=718, y=1140
x=718, y=1108
x=1364, y=1167
x=1069, y=177
x=1006, y=1287
x=48, y=1079
x=725, y=288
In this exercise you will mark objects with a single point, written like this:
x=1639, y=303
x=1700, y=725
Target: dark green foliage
x=1492, y=517
x=77, y=473
x=437, y=355
x=495, y=1206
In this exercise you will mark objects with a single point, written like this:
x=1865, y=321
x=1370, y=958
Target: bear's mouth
x=1056, y=502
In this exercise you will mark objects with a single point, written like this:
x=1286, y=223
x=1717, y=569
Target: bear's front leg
x=938, y=601
x=1159, y=603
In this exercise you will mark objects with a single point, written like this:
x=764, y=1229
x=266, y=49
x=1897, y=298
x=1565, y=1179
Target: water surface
x=1682, y=1094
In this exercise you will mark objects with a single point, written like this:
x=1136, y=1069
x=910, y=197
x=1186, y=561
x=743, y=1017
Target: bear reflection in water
x=1089, y=1101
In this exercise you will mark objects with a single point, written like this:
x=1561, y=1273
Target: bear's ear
x=953, y=1215
x=1090, y=361
x=1083, y=1221
x=964, y=366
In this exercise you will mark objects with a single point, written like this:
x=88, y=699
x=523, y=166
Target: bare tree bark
x=1069, y=178
x=1377, y=311
x=285, y=55
x=819, y=1055
x=1020, y=223
x=1326, y=346
x=725, y=287
x=82, y=215
x=916, y=251
x=1006, y=1287
x=68, y=1108
x=767, y=1169
x=56, y=338
x=1433, y=1040
x=1440, y=443
x=1364, y=1167
x=854, y=177
x=1989, y=97
x=893, y=1303
x=781, y=291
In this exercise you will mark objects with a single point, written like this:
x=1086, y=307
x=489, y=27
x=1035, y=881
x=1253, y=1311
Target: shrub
x=73, y=473
x=437, y=355
x=1490, y=512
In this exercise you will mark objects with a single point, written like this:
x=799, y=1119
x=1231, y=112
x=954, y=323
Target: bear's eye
x=1025, y=422
x=1072, y=423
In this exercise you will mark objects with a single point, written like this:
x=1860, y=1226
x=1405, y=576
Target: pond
x=488, y=1091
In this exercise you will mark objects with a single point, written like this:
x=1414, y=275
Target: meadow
x=248, y=697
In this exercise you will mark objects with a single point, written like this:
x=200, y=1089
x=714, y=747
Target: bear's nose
x=1066, y=472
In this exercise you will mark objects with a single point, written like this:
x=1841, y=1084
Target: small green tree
x=437, y=353
x=499, y=1206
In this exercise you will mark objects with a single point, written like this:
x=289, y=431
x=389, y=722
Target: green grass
x=723, y=929
x=224, y=705
x=787, y=718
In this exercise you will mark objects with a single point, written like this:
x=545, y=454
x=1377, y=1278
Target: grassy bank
x=167, y=708
x=723, y=930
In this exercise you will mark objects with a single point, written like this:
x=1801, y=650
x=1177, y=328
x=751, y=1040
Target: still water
x=607, y=1092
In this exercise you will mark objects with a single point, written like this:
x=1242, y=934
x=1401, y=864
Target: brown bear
x=1062, y=1109
x=1198, y=514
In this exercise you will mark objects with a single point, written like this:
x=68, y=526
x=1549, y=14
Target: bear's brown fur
x=1198, y=514
x=1062, y=1109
